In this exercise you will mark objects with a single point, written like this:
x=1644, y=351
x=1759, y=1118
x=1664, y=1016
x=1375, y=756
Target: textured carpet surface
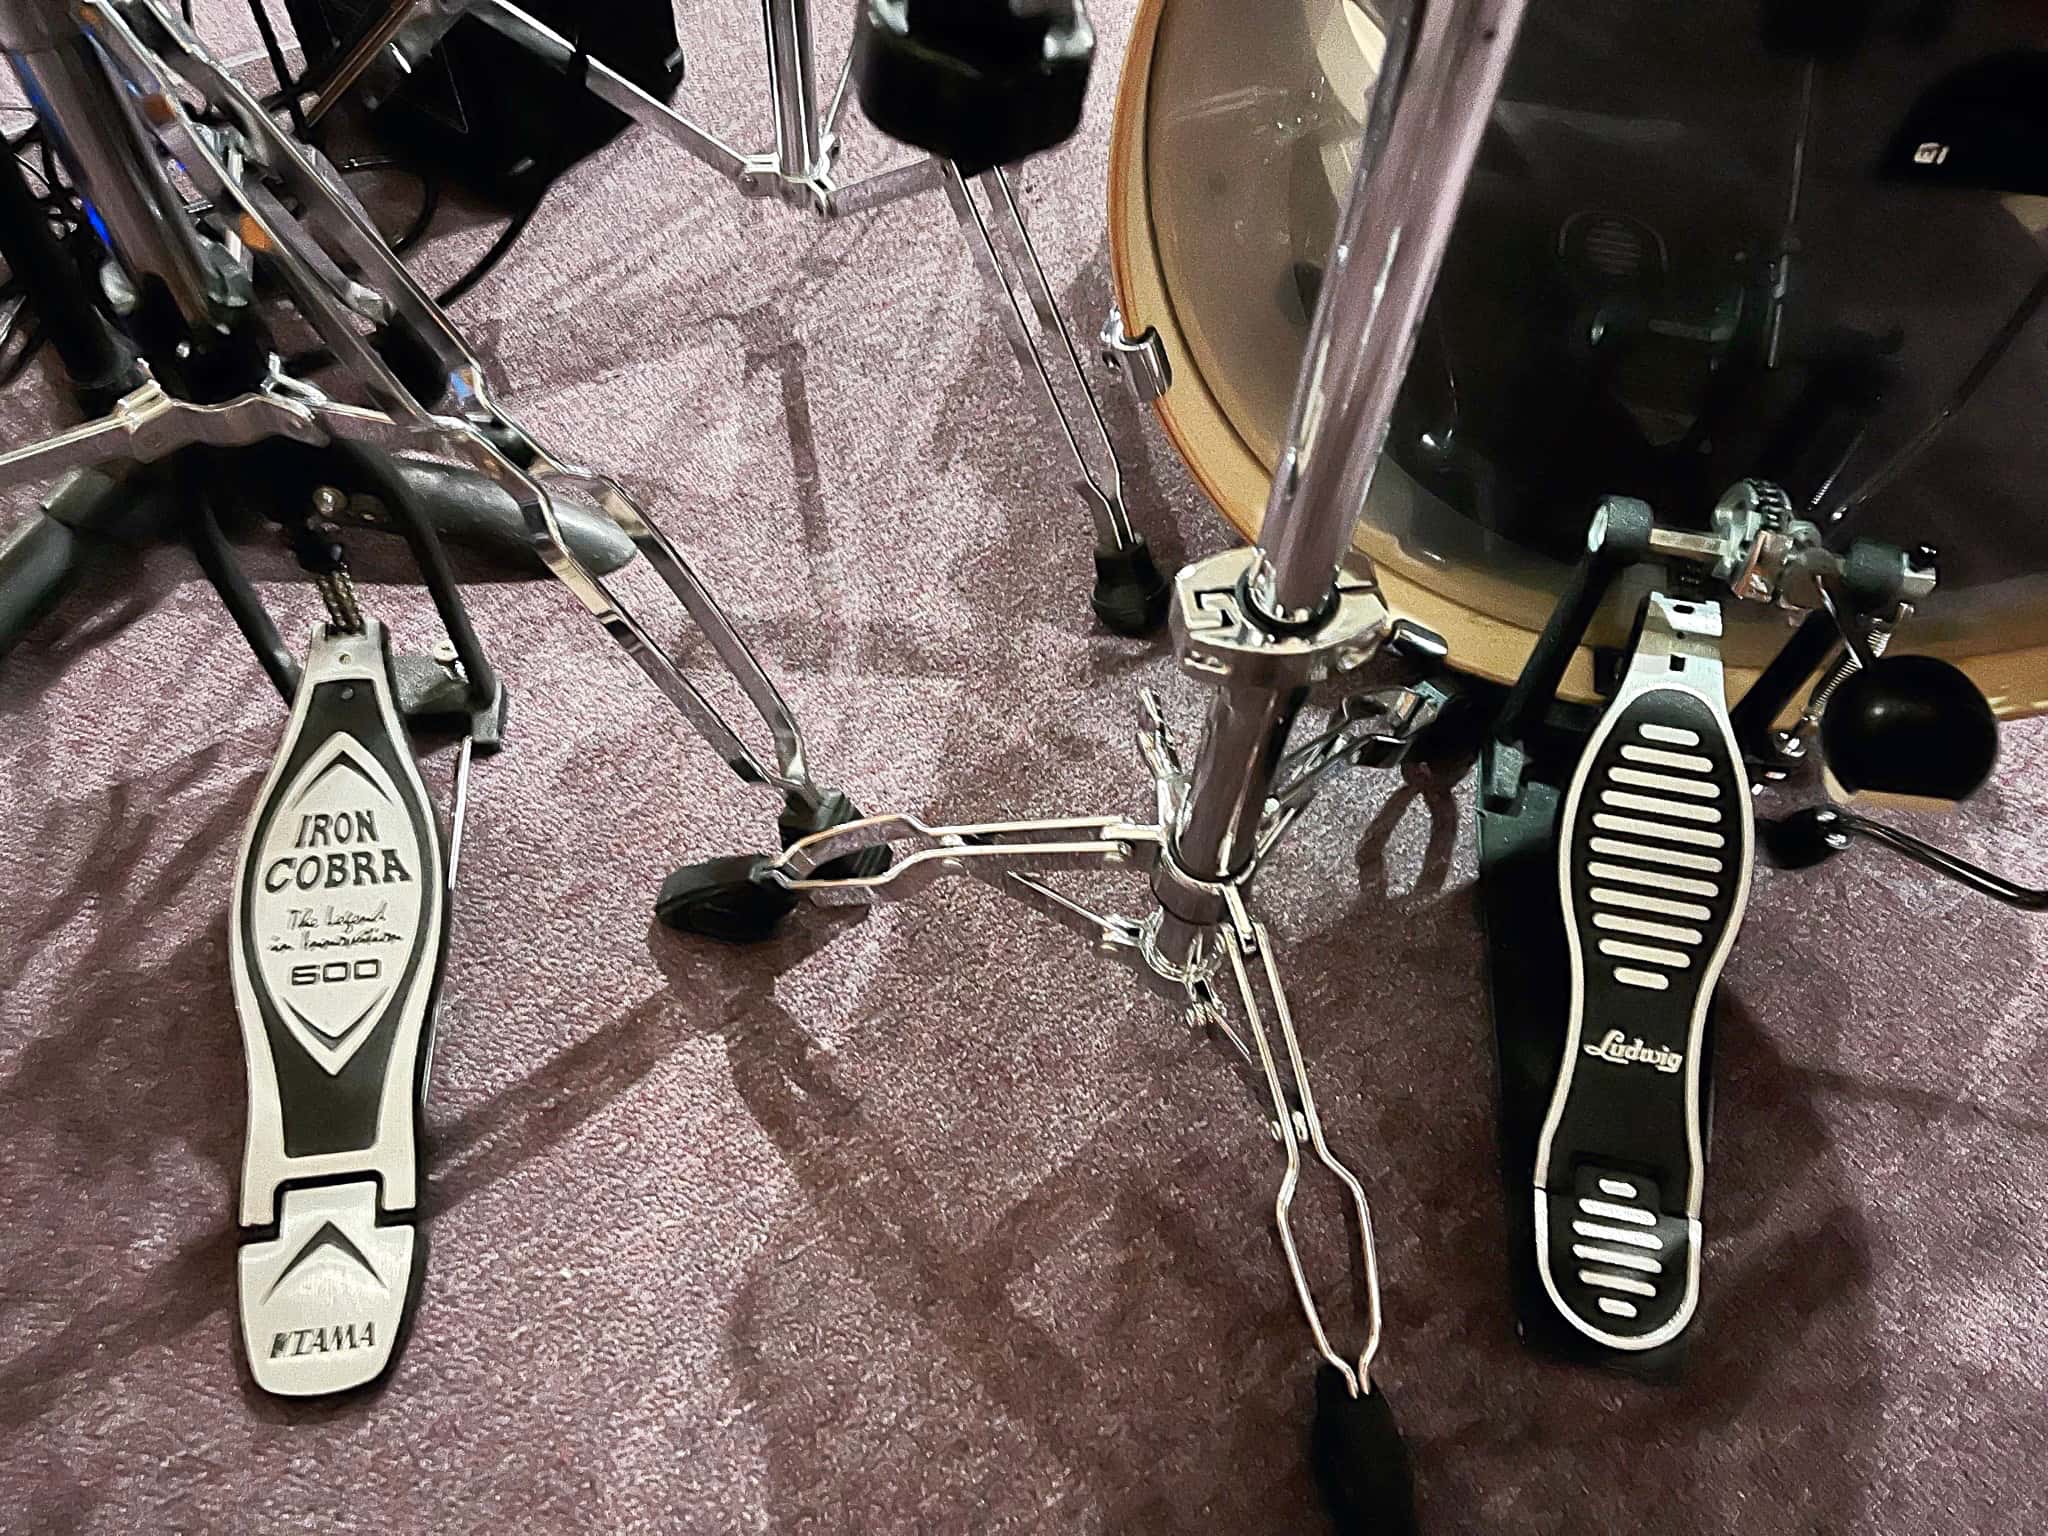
x=920, y=1221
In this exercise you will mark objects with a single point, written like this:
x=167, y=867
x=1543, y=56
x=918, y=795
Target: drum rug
x=924, y=1221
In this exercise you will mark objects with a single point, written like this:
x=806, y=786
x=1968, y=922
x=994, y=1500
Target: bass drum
x=1701, y=243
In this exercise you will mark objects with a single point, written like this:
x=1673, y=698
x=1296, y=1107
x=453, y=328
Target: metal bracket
x=1218, y=638
x=1140, y=361
x=148, y=424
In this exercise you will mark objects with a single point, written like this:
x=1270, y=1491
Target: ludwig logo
x=1622, y=1051
x=339, y=896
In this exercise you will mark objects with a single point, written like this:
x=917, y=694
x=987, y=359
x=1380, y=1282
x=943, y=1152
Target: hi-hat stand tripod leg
x=1130, y=595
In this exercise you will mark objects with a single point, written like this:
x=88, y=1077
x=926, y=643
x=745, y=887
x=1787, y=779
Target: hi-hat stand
x=1130, y=594
x=339, y=921
x=1263, y=624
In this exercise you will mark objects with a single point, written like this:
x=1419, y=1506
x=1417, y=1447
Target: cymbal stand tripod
x=1264, y=624
x=331, y=1159
x=1130, y=595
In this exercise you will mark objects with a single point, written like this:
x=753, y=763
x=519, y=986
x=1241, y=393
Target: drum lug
x=1140, y=361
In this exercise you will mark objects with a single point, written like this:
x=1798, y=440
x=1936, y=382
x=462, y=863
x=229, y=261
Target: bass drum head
x=1698, y=245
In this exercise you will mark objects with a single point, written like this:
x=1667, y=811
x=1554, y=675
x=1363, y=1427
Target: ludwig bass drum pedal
x=1616, y=853
x=1655, y=851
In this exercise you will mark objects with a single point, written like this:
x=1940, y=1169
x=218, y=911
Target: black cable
x=499, y=249
x=287, y=87
x=58, y=205
x=430, y=193
x=320, y=357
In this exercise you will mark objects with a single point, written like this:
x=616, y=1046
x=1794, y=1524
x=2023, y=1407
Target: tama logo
x=337, y=1340
x=1622, y=1051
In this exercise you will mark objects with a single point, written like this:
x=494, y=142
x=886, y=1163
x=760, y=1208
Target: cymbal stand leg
x=1130, y=593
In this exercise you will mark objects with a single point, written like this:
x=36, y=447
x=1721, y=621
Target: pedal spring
x=1877, y=634
x=338, y=592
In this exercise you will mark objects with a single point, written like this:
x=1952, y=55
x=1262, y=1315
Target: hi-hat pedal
x=337, y=937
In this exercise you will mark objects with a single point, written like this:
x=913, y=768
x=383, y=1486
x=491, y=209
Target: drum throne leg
x=1130, y=593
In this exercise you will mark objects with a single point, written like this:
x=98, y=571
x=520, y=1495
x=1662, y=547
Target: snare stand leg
x=1267, y=623
x=1130, y=594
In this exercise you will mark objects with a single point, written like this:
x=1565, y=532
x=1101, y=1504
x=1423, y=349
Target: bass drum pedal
x=1655, y=850
x=338, y=934
x=1615, y=858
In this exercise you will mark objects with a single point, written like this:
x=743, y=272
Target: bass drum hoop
x=1453, y=602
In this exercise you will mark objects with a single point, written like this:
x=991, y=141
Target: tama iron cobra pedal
x=1615, y=865
x=341, y=904
x=337, y=937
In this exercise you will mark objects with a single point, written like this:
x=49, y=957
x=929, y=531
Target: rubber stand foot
x=1360, y=1462
x=1130, y=594
x=724, y=899
x=833, y=810
x=1798, y=841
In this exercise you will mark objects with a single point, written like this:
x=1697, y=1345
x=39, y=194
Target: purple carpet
x=922, y=1221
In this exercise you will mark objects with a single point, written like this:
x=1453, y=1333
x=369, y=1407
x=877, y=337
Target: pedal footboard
x=1654, y=859
x=337, y=936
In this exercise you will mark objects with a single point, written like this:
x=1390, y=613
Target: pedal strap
x=1655, y=849
x=337, y=939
